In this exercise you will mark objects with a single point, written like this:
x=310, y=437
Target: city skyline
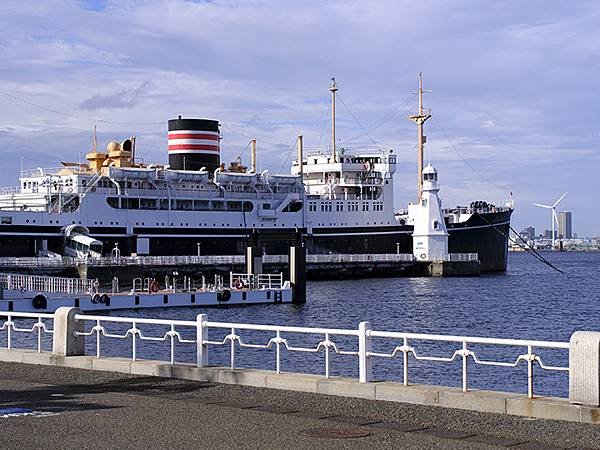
x=501, y=75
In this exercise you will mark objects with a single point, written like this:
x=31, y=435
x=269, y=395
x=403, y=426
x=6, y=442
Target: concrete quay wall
x=475, y=400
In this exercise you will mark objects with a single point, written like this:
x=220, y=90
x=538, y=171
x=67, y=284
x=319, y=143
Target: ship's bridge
x=352, y=176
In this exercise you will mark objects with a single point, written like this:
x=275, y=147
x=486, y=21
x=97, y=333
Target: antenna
x=95, y=141
x=333, y=88
x=553, y=217
x=420, y=119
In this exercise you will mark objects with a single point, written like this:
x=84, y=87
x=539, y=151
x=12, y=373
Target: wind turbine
x=553, y=218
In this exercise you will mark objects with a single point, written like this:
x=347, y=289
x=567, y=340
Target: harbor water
x=529, y=301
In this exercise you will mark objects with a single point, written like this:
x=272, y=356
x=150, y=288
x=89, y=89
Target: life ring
x=154, y=288
x=224, y=295
x=104, y=298
x=96, y=298
x=238, y=284
x=39, y=301
x=423, y=256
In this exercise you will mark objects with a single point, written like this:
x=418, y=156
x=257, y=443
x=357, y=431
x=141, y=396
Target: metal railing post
x=278, y=352
x=201, y=337
x=326, y=355
x=465, y=356
x=405, y=361
x=530, y=359
x=365, y=370
x=232, y=362
x=133, y=346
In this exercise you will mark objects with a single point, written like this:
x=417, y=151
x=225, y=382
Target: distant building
x=529, y=232
x=565, y=228
x=548, y=234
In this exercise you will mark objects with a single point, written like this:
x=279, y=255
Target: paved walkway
x=72, y=408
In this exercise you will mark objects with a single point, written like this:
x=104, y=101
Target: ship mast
x=420, y=119
x=333, y=88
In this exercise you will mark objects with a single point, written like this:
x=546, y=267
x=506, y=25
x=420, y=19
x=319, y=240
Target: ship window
x=185, y=205
x=234, y=206
x=164, y=203
x=147, y=203
x=113, y=202
x=293, y=207
x=266, y=206
x=200, y=205
x=218, y=205
x=248, y=206
x=131, y=203
x=436, y=225
x=424, y=202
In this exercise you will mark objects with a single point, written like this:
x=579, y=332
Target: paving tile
x=537, y=446
x=497, y=441
x=276, y=410
x=444, y=433
x=402, y=427
x=240, y=405
x=354, y=420
x=315, y=415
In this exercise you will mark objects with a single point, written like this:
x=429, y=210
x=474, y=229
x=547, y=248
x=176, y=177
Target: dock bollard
x=584, y=368
x=64, y=340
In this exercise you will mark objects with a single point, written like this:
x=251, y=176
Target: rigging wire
x=244, y=149
x=463, y=158
x=532, y=251
x=359, y=124
x=72, y=115
x=398, y=110
x=323, y=127
x=288, y=156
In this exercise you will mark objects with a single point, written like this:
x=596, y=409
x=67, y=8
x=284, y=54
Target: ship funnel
x=194, y=144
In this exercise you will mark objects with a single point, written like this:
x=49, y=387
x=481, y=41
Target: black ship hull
x=485, y=234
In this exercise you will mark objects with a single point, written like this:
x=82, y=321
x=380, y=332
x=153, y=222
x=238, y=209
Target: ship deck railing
x=41, y=283
x=215, y=260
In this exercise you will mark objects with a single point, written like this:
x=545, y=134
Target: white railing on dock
x=401, y=345
x=40, y=283
x=344, y=258
x=259, y=281
x=38, y=327
x=462, y=257
x=45, y=262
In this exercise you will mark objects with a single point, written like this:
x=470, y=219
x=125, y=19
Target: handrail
x=359, y=345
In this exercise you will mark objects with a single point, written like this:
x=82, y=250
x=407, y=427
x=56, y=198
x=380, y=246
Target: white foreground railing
x=39, y=327
x=359, y=343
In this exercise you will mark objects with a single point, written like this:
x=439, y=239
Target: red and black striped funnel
x=194, y=144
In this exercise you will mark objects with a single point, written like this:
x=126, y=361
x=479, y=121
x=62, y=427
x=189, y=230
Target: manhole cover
x=336, y=433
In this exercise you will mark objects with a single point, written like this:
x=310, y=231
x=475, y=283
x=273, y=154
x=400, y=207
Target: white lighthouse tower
x=430, y=236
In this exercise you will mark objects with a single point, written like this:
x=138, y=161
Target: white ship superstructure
x=339, y=202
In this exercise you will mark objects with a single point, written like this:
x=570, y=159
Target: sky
x=514, y=87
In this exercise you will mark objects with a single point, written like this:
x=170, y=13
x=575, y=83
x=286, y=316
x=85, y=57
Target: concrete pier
x=74, y=408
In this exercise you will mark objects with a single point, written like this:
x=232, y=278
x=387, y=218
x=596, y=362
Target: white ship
x=339, y=202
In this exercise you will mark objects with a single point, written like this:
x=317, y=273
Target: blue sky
x=514, y=101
